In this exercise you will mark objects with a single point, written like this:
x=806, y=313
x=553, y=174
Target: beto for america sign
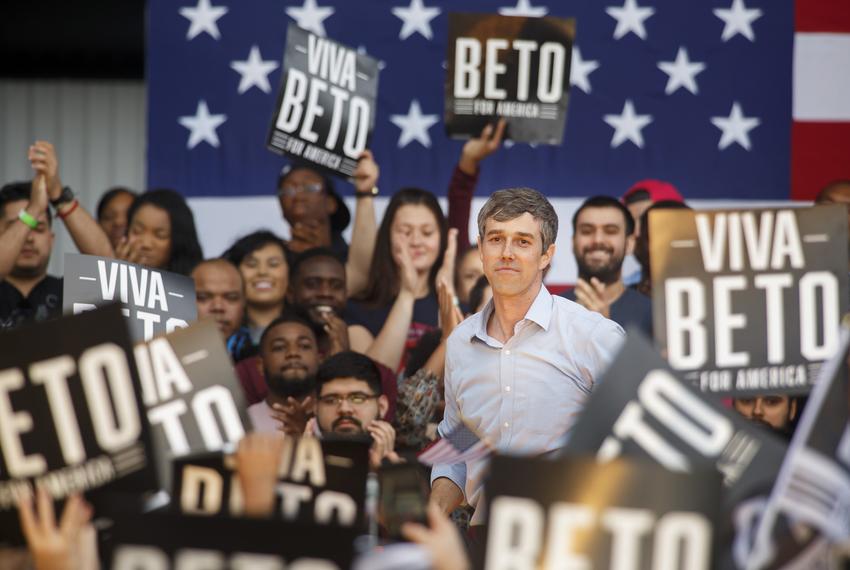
x=509, y=67
x=749, y=301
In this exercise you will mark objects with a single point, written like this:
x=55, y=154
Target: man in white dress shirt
x=520, y=371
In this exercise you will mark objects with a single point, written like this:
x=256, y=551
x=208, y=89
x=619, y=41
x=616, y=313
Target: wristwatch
x=65, y=197
x=366, y=193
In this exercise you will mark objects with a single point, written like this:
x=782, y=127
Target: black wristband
x=65, y=197
x=367, y=194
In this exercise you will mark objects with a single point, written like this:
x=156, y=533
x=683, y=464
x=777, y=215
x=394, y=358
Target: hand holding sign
x=367, y=172
x=257, y=463
x=477, y=149
x=69, y=546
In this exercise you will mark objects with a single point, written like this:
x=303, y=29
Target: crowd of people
x=399, y=333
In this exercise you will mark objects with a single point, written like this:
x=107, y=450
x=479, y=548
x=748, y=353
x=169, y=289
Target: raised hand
x=383, y=444
x=367, y=172
x=450, y=314
x=337, y=330
x=293, y=415
x=407, y=271
x=128, y=250
x=62, y=547
x=591, y=296
x=476, y=150
x=440, y=538
x=257, y=463
x=447, y=269
x=42, y=157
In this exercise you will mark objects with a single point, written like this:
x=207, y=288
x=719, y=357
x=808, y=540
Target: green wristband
x=26, y=218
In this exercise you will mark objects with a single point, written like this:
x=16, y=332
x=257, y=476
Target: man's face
x=774, y=411
x=35, y=254
x=600, y=244
x=290, y=358
x=218, y=291
x=303, y=197
x=319, y=287
x=512, y=255
x=336, y=414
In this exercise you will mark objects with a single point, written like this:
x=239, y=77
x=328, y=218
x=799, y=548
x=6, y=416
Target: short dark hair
x=15, y=191
x=185, y=248
x=606, y=202
x=312, y=253
x=834, y=185
x=350, y=364
x=287, y=317
x=250, y=243
x=511, y=203
x=108, y=196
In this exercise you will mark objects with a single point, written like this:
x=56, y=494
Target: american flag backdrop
x=723, y=98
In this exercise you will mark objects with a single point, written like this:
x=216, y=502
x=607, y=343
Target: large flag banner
x=749, y=302
x=194, y=400
x=71, y=416
x=813, y=486
x=516, y=68
x=326, y=106
x=320, y=481
x=697, y=93
x=577, y=513
x=154, y=301
x=160, y=542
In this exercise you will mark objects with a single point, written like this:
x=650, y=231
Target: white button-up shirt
x=525, y=394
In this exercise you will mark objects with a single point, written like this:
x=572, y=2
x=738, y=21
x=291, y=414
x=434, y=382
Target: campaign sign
x=641, y=409
x=167, y=541
x=320, y=481
x=326, y=106
x=194, y=401
x=749, y=301
x=577, y=513
x=510, y=67
x=153, y=301
x=71, y=417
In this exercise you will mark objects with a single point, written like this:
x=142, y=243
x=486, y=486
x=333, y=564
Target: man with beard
x=603, y=234
x=350, y=402
x=777, y=412
x=27, y=292
x=290, y=356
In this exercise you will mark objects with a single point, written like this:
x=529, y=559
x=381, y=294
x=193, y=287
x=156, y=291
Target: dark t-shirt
x=43, y=303
x=425, y=316
x=632, y=309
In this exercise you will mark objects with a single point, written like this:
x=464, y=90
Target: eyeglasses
x=293, y=189
x=355, y=399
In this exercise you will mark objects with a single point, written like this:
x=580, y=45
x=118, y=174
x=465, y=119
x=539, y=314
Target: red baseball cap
x=658, y=190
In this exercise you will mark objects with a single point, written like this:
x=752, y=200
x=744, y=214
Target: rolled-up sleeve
x=456, y=473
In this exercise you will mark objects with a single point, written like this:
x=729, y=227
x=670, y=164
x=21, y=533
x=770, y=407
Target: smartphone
x=404, y=497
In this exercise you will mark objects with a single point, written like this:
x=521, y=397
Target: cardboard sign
x=813, y=486
x=153, y=301
x=71, y=417
x=749, y=301
x=641, y=409
x=577, y=513
x=516, y=68
x=194, y=400
x=326, y=105
x=321, y=482
x=164, y=542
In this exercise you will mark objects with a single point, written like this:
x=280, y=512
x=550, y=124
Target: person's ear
x=383, y=406
x=547, y=257
x=792, y=410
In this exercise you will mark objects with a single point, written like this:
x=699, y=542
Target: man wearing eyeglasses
x=317, y=215
x=350, y=402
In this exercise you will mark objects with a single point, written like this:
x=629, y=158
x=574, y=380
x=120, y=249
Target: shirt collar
x=539, y=312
